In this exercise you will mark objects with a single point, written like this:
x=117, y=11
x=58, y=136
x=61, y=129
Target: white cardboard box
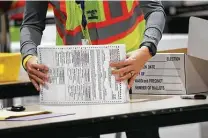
x=178, y=73
x=174, y=73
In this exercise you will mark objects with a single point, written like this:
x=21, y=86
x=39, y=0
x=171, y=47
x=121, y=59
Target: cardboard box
x=177, y=73
x=172, y=73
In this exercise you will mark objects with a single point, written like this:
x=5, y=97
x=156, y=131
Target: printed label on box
x=163, y=74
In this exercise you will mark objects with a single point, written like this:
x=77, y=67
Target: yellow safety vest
x=108, y=22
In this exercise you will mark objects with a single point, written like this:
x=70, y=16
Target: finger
x=35, y=84
x=40, y=67
x=121, y=63
x=131, y=82
x=38, y=73
x=125, y=77
x=122, y=70
x=40, y=81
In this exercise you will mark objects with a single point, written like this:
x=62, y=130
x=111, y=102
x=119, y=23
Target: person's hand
x=129, y=69
x=36, y=72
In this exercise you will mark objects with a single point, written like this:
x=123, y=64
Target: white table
x=155, y=111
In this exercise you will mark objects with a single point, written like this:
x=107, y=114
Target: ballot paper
x=82, y=75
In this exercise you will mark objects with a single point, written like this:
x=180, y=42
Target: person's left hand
x=129, y=69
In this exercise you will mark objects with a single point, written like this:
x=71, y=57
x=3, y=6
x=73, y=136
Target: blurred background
x=176, y=30
x=178, y=13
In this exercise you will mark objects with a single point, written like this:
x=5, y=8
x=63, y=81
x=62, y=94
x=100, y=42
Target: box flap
x=198, y=38
x=173, y=43
x=179, y=50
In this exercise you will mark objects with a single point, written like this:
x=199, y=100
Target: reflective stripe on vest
x=68, y=38
x=121, y=23
x=109, y=31
x=60, y=19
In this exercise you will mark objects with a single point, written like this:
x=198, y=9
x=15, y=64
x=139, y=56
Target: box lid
x=173, y=43
x=198, y=38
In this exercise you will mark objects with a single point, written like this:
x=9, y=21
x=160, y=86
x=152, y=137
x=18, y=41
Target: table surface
x=141, y=104
x=143, y=111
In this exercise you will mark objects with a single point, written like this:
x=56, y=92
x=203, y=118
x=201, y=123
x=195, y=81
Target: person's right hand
x=36, y=72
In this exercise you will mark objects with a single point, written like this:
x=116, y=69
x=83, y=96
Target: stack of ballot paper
x=82, y=75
